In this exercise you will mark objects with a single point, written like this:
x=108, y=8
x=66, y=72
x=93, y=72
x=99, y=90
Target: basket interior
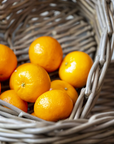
x=77, y=25
x=23, y=23
x=26, y=20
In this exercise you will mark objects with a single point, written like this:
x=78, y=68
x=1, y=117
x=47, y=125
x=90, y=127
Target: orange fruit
x=46, y=52
x=11, y=97
x=33, y=114
x=8, y=62
x=53, y=105
x=30, y=81
x=75, y=68
x=12, y=78
x=69, y=89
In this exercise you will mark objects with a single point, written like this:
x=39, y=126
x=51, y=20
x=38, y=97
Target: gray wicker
x=85, y=25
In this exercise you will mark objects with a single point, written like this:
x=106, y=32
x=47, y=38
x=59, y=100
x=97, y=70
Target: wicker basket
x=85, y=25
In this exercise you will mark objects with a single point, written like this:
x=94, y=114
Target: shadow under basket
x=82, y=25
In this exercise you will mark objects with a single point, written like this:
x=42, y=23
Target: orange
x=30, y=81
x=53, y=105
x=8, y=62
x=75, y=68
x=69, y=89
x=11, y=97
x=33, y=114
x=46, y=52
x=12, y=78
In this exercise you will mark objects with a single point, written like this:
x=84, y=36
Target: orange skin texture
x=46, y=52
x=63, y=85
x=53, y=105
x=12, y=78
x=8, y=62
x=11, y=97
x=33, y=114
x=75, y=68
x=30, y=81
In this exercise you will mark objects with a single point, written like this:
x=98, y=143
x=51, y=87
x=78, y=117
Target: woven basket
x=85, y=25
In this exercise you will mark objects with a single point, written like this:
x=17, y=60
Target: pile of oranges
x=30, y=82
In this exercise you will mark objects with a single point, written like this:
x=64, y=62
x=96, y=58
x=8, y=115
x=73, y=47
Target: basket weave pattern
x=85, y=25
